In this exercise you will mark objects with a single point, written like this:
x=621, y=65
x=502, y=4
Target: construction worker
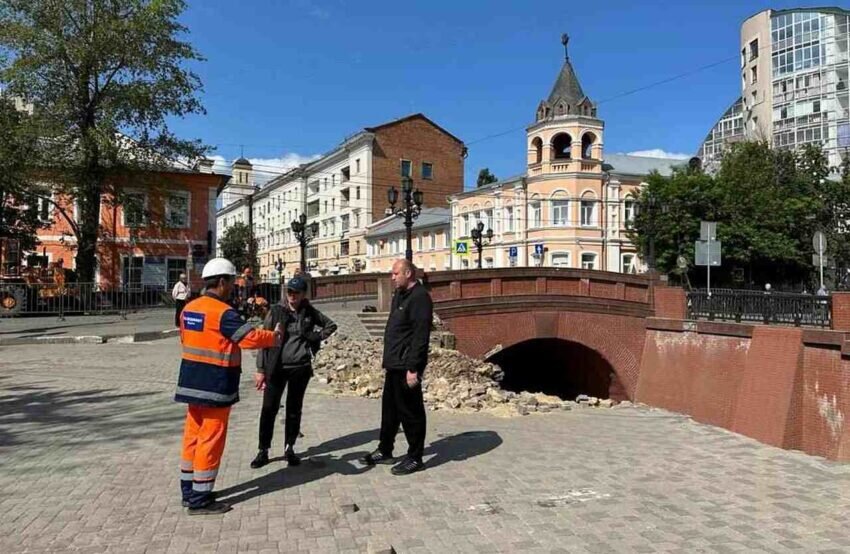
x=213, y=334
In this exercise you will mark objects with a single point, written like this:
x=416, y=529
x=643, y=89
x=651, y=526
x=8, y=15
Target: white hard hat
x=217, y=267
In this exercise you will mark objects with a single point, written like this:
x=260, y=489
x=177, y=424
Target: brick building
x=345, y=191
x=168, y=229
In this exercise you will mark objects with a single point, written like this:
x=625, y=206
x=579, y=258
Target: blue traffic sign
x=512, y=252
x=538, y=249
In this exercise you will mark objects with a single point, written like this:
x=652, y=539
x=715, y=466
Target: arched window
x=588, y=210
x=537, y=144
x=535, y=213
x=561, y=146
x=587, y=141
x=560, y=203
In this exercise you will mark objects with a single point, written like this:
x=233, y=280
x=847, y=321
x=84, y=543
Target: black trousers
x=402, y=405
x=294, y=380
x=178, y=309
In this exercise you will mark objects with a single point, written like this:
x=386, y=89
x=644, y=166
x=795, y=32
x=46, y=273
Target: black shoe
x=377, y=457
x=292, y=458
x=261, y=459
x=185, y=502
x=210, y=509
x=407, y=466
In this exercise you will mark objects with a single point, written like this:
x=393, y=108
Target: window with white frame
x=629, y=211
x=560, y=212
x=588, y=260
x=177, y=210
x=488, y=263
x=629, y=265
x=488, y=219
x=536, y=214
x=560, y=259
x=464, y=263
x=419, y=243
x=588, y=213
x=433, y=240
x=509, y=219
x=135, y=205
x=464, y=228
x=406, y=168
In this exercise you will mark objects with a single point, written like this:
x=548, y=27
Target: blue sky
x=289, y=79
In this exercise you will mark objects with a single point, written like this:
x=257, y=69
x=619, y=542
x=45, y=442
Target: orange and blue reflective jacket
x=213, y=335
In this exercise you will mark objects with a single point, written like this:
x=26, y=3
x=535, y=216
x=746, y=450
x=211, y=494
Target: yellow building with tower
x=572, y=205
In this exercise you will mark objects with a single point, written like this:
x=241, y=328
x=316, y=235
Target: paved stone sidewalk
x=89, y=442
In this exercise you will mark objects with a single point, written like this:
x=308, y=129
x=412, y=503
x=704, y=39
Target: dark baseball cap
x=297, y=284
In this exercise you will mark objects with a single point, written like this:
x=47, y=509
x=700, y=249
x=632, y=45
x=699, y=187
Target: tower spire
x=565, y=40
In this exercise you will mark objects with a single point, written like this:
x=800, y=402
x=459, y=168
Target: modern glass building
x=794, y=80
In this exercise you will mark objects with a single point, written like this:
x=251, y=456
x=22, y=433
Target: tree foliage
x=485, y=177
x=19, y=202
x=767, y=203
x=105, y=77
x=235, y=245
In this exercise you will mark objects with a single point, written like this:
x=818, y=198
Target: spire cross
x=565, y=40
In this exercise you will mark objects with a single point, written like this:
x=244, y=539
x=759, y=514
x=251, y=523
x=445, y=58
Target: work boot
x=261, y=459
x=292, y=458
x=210, y=509
x=377, y=457
x=407, y=466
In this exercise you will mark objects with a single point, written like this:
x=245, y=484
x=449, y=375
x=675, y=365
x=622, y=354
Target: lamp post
x=279, y=265
x=411, y=207
x=478, y=236
x=303, y=234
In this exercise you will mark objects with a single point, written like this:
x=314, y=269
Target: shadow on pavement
x=460, y=447
x=34, y=415
x=321, y=463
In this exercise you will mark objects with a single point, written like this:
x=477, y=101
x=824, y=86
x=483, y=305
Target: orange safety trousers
x=204, y=436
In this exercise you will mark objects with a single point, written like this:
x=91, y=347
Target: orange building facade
x=168, y=228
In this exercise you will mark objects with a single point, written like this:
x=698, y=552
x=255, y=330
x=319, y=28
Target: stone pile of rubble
x=453, y=381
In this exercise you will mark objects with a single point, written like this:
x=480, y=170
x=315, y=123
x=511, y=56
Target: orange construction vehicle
x=27, y=288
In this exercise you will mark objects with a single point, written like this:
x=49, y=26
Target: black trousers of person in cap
x=403, y=405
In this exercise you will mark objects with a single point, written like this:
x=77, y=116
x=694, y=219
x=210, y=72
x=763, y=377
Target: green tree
x=670, y=210
x=767, y=204
x=20, y=216
x=485, y=177
x=105, y=77
x=235, y=245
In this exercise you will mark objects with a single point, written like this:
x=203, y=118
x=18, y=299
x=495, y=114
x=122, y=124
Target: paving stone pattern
x=90, y=439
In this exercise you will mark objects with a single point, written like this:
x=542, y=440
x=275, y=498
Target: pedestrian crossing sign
x=462, y=247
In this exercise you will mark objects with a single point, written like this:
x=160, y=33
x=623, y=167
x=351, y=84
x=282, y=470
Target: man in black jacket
x=406, y=340
x=289, y=366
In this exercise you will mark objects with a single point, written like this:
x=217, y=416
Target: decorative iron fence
x=18, y=299
x=761, y=307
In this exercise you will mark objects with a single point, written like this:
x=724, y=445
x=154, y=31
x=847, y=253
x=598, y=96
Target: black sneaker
x=407, y=466
x=377, y=457
x=292, y=458
x=261, y=459
x=212, y=508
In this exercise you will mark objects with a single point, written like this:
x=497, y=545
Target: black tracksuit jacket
x=408, y=331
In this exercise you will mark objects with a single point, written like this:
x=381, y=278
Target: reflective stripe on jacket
x=213, y=335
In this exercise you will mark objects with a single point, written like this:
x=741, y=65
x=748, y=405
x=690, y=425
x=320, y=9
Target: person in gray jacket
x=289, y=367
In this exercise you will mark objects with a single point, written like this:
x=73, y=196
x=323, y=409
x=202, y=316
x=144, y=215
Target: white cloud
x=265, y=169
x=659, y=153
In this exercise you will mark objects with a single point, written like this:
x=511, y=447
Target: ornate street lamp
x=304, y=234
x=411, y=207
x=478, y=237
x=279, y=265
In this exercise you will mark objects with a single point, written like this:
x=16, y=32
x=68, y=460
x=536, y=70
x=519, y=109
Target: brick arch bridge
x=785, y=386
x=493, y=309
